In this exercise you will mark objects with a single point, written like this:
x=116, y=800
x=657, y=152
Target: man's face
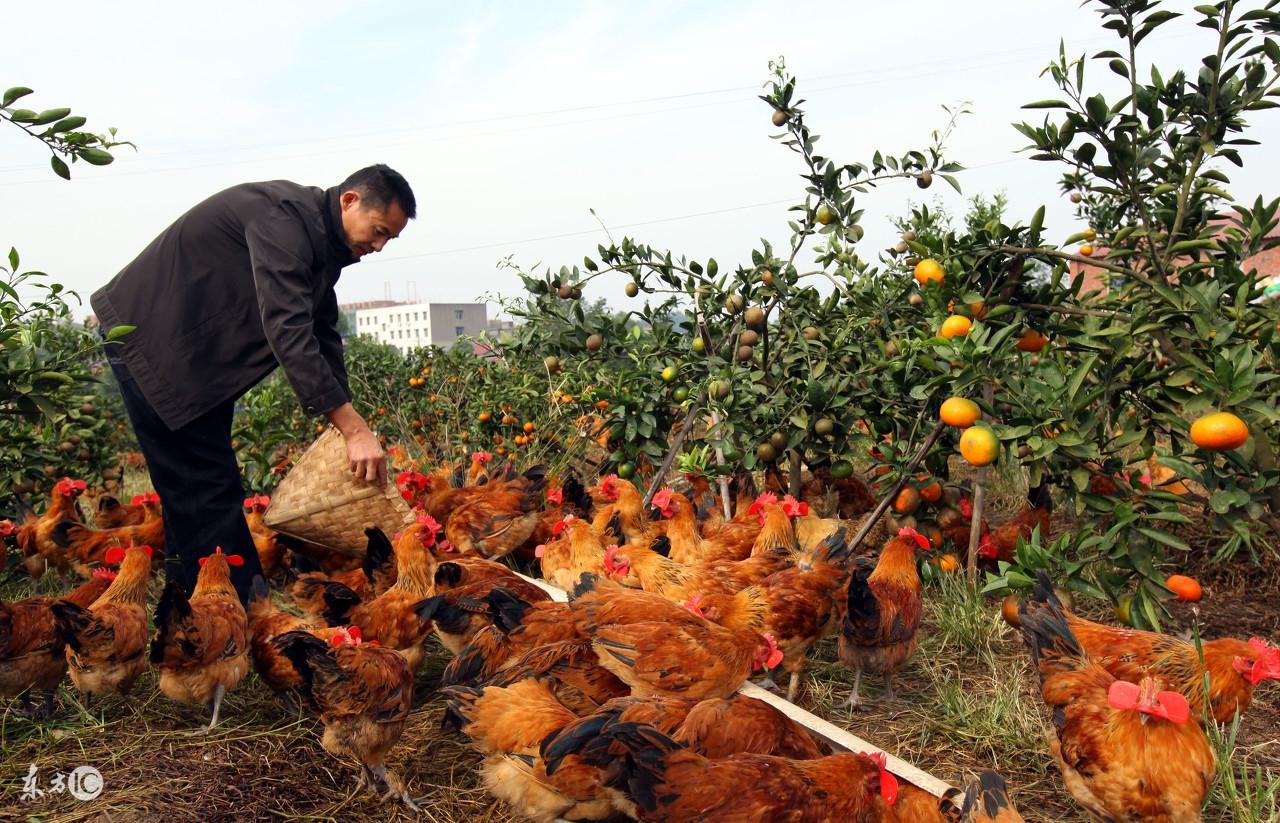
x=368, y=228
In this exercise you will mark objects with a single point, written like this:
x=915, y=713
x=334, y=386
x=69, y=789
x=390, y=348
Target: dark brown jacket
x=241, y=283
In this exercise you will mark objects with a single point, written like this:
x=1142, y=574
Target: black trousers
x=194, y=470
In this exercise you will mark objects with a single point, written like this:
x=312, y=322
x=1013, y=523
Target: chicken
x=620, y=517
x=517, y=626
x=573, y=672
x=498, y=522
x=1234, y=667
x=1126, y=751
x=461, y=612
x=671, y=783
x=479, y=472
x=32, y=656
x=566, y=499
x=376, y=574
x=107, y=640
x=659, y=648
x=266, y=622
x=36, y=534
x=112, y=514
x=1001, y=542
x=707, y=505
x=768, y=525
x=574, y=549
x=884, y=607
x=266, y=540
x=363, y=693
x=682, y=530
x=85, y=546
x=507, y=725
x=853, y=496
x=985, y=800
x=200, y=647
x=797, y=606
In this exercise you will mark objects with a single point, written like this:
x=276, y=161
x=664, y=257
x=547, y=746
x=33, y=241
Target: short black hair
x=381, y=186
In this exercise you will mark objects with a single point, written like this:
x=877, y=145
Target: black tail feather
x=506, y=608
x=448, y=574
x=173, y=606
x=70, y=621
x=377, y=554
x=579, y=738
x=61, y=534
x=339, y=600
x=661, y=545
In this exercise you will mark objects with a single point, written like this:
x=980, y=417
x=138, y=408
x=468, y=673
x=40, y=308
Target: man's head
x=377, y=203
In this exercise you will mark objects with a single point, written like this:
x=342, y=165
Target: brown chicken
x=797, y=606
x=507, y=726
x=266, y=540
x=461, y=612
x=1235, y=667
x=708, y=506
x=573, y=672
x=565, y=499
x=1001, y=542
x=112, y=514
x=620, y=517
x=85, y=546
x=376, y=574
x=498, y=522
x=107, y=641
x=671, y=783
x=200, y=647
x=663, y=649
x=684, y=535
x=985, y=800
x=32, y=656
x=1127, y=752
x=768, y=525
x=266, y=622
x=883, y=614
x=363, y=693
x=35, y=536
x=574, y=549
x=853, y=496
x=517, y=626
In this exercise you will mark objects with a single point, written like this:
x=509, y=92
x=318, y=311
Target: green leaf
x=1047, y=104
x=59, y=167
x=67, y=124
x=95, y=157
x=117, y=332
x=14, y=94
x=49, y=116
x=1165, y=538
x=13, y=259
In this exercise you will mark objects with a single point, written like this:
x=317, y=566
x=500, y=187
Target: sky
x=512, y=121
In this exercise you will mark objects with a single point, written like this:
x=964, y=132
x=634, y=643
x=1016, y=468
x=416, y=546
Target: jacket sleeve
x=282, y=258
x=326, y=325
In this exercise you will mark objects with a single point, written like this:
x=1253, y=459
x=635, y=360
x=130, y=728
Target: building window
x=458, y=331
x=457, y=314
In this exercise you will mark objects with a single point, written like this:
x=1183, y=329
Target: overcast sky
x=511, y=120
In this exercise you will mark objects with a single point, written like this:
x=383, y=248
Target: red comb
x=114, y=555
x=1143, y=698
x=662, y=501
x=555, y=495
x=986, y=548
x=561, y=525
x=481, y=457
x=888, y=783
x=7, y=528
x=775, y=654
x=966, y=508
x=921, y=540
x=139, y=499
x=794, y=508
x=104, y=573
x=1266, y=667
x=232, y=559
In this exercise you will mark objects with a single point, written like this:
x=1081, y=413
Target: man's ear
x=349, y=199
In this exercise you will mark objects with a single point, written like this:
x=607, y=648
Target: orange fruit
x=528, y=428
x=979, y=310
x=907, y=501
x=485, y=417
x=1186, y=588
x=979, y=446
x=1086, y=250
x=949, y=563
x=1032, y=341
x=929, y=271
x=955, y=326
x=1009, y=611
x=1219, y=432
x=960, y=412
x=931, y=493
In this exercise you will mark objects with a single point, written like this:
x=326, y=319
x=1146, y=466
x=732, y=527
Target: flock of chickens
x=623, y=702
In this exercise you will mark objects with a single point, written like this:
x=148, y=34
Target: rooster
x=32, y=656
x=1234, y=667
x=573, y=672
x=112, y=514
x=363, y=693
x=266, y=540
x=461, y=612
x=884, y=607
x=107, y=641
x=376, y=574
x=35, y=536
x=573, y=550
x=516, y=626
x=86, y=546
x=671, y=783
x=1126, y=751
x=200, y=646
x=619, y=516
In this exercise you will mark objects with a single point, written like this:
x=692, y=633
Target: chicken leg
x=793, y=688
x=395, y=786
x=855, y=699
x=218, y=692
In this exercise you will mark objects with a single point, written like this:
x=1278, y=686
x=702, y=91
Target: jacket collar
x=333, y=227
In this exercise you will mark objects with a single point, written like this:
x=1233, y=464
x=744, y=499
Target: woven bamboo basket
x=322, y=502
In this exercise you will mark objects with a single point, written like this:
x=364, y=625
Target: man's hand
x=368, y=460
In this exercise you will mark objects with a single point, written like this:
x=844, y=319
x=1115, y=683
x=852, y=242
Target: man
x=241, y=283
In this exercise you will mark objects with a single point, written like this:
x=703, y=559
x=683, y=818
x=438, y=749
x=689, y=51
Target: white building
x=410, y=326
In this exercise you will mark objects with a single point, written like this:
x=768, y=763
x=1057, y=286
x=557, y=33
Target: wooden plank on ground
x=839, y=738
